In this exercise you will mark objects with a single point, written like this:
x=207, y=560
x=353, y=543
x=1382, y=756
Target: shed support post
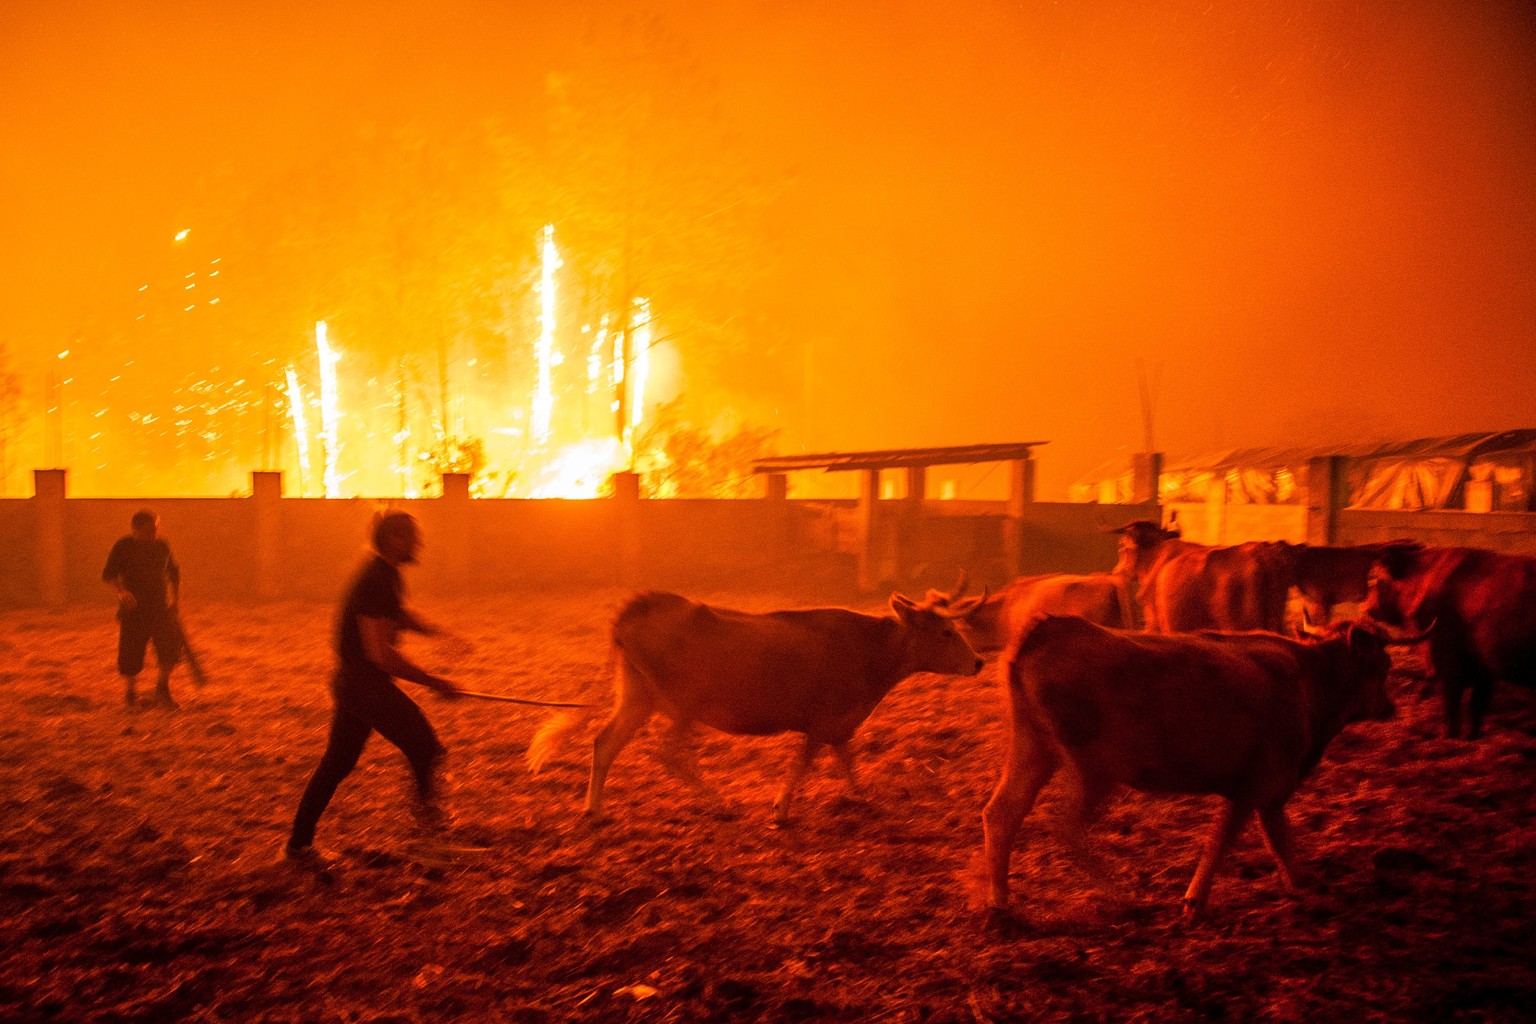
x=1327, y=493
x=1021, y=494
x=869, y=521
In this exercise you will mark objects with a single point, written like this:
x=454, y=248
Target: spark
x=181, y=236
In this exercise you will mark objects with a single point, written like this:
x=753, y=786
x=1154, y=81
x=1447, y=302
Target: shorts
x=136, y=629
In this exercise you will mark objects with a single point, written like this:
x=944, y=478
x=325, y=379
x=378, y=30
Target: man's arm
x=379, y=644
x=112, y=576
x=173, y=573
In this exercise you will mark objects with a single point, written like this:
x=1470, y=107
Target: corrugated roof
x=893, y=458
x=1455, y=446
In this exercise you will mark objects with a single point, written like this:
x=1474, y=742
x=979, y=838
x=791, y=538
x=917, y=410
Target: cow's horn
x=963, y=608
x=960, y=585
x=1306, y=624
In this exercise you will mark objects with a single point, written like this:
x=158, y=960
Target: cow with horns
x=1181, y=586
x=1484, y=604
x=817, y=671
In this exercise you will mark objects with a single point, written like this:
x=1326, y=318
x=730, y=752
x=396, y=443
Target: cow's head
x=1138, y=540
x=976, y=617
x=932, y=642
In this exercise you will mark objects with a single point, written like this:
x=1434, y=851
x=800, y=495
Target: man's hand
x=127, y=600
x=445, y=689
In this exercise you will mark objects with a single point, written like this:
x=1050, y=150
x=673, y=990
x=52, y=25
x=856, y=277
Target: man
x=143, y=573
x=363, y=690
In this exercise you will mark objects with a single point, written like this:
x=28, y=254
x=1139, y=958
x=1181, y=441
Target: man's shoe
x=164, y=699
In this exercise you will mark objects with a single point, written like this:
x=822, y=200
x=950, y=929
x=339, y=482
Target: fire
x=579, y=470
x=330, y=412
x=545, y=351
x=300, y=426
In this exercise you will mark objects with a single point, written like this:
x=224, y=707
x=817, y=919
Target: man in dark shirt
x=144, y=574
x=363, y=690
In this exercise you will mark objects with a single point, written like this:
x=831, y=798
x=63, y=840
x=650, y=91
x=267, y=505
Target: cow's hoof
x=1001, y=922
x=1192, y=912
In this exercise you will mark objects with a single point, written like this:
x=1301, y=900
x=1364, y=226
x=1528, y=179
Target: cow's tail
x=556, y=730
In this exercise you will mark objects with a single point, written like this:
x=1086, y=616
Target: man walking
x=363, y=690
x=143, y=573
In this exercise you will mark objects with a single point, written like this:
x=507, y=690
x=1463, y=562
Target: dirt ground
x=139, y=878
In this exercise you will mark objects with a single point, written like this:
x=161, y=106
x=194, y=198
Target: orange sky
x=1312, y=221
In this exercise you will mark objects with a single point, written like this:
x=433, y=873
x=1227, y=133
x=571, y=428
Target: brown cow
x=989, y=622
x=1483, y=604
x=816, y=671
x=1327, y=576
x=1242, y=715
x=1182, y=586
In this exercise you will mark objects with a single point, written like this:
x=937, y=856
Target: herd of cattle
x=1172, y=673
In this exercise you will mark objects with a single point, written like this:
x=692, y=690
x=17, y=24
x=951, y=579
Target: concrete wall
x=1514, y=532
x=1220, y=524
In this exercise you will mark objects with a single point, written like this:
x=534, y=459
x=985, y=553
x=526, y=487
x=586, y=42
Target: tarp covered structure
x=1483, y=472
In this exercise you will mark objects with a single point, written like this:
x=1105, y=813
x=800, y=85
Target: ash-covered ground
x=140, y=880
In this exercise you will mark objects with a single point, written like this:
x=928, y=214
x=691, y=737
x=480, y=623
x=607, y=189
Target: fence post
x=266, y=491
x=49, y=487
x=1327, y=492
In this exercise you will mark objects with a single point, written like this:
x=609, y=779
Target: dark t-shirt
x=144, y=569
x=375, y=594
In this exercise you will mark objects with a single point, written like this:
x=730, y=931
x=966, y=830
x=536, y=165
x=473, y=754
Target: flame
x=642, y=362
x=300, y=428
x=579, y=470
x=330, y=412
x=545, y=352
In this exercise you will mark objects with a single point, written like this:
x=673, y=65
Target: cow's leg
x=1278, y=837
x=633, y=712
x=1224, y=832
x=797, y=772
x=1028, y=767
x=677, y=756
x=1086, y=803
x=1481, y=685
x=844, y=756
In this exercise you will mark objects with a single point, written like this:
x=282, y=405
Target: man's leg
x=348, y=735
x=132, y=639
x=397, y=718
x=167, y=654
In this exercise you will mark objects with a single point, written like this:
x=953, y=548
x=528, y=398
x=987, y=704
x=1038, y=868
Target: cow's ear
x=903, y=607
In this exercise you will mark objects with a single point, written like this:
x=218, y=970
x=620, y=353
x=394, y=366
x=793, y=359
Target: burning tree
x=655, y=208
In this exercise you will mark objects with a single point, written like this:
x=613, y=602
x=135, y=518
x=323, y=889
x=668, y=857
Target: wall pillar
x=49, y=487
x=1021, y=494
x=1327, y=493
x=266, y=492
x=777, y=486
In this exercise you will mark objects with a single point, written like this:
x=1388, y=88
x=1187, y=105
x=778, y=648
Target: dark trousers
x=361, y=708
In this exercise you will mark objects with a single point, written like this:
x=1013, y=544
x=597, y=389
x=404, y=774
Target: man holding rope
x=144, y=575
x=364, y=693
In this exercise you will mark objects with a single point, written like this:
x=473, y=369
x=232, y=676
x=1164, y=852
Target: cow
x=1182, y=586
x=1483, y=604
x=1326, y=575
x=1246, y=716
x=817, y=671
x=989, y=622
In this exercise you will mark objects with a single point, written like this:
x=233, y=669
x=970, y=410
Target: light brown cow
x=1182, y=586
x=989, y=622
x=1243, y=715
x=817, y=671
